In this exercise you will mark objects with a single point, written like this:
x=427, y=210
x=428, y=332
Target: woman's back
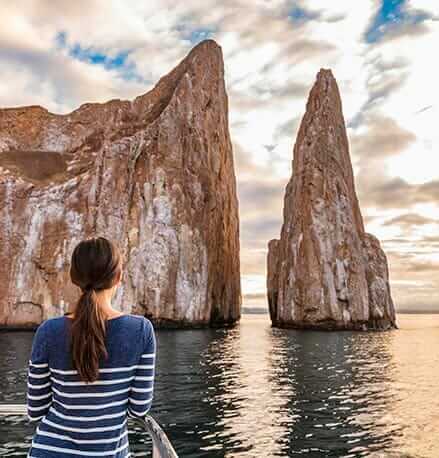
x=89, y=419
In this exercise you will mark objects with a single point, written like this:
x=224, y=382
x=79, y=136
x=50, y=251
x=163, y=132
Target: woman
x=91, y=368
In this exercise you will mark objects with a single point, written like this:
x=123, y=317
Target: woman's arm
x=142, y=387
x=39, y=387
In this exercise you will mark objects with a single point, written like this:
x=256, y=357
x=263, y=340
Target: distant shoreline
x=262, y=311
x=244, y=311
x=254, y=311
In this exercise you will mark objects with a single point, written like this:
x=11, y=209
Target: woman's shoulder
x=138, y=321
x=50, y=323
x=127, y=332
x=47, y=328
x=134, y=317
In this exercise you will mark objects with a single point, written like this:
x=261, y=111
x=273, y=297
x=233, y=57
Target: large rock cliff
x=155, y=175
x=325, y=271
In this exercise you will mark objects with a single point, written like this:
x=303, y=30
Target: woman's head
x=96, y=263
x=96, y=267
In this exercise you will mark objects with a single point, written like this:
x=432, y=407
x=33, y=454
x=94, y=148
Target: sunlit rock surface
x=325, y=271
x=155, y=174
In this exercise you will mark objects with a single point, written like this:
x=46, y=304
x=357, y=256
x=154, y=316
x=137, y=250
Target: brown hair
x=96, y=265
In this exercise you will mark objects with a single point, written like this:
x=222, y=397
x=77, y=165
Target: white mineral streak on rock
x=155, y=175
x=3, y=145
x=25, y=267
x=191, y=276
x=54, y=140
x=325, y=271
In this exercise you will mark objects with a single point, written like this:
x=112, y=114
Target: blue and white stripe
x=87, y=419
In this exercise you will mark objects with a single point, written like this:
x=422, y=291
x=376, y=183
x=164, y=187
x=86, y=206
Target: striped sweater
x=76, y=418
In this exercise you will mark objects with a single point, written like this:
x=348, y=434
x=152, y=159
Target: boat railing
x=161, y=445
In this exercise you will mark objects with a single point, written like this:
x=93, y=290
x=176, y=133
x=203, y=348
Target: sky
x=382, y=53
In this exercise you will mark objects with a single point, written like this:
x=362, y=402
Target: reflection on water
x=282, y=393
x=342, y=392
x=254, y=391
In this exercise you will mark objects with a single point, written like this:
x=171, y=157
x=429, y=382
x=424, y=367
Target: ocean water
x=255, y=391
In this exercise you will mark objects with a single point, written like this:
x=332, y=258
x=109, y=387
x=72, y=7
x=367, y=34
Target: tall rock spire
x=155, y=175
x=325, y=271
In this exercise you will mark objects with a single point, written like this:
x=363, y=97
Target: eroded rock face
x=155, y=175
x=325, y=271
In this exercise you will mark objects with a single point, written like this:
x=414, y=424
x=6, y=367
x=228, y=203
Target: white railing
x=161, y=446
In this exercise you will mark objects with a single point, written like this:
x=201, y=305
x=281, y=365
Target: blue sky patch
x=93, y=56
x=391, y=14
x=195, y=35
x=298, y=14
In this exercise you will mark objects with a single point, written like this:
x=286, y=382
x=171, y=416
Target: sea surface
x=255, y=391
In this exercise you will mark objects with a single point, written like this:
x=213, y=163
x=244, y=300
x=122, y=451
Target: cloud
x=376, y=189
x=261, y=195
x=380, y=137
x=290, y=89
x=410, y=220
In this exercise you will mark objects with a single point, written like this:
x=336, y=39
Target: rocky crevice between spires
x=326, y=272
x=155, y=174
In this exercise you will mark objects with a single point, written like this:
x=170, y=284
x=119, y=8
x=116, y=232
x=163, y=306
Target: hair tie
x=88, y=287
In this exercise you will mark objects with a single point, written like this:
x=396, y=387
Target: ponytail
x=88, y=336
x=96, y=265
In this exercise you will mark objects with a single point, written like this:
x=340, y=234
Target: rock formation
x=325, y=272
x=155, y=175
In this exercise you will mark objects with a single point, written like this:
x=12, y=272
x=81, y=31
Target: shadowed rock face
x=325, y=271
x=155, y=175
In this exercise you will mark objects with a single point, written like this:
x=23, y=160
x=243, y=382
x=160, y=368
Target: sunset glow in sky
x=382, y=53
